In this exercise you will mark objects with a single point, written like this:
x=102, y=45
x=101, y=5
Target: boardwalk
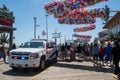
x=75, y=70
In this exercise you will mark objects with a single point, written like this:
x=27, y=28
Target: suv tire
x=42, y=63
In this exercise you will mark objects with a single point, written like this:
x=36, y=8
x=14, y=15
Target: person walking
x=91, y=51
x=79, y=51
x=14, y=46
x=95, y=51
x=87, y=52
x=101, y=55
x=72, y=49
x=107, y=53
x=116, y=57
x=3, y=52
x=63, y=54
x=83, y=51
x=68, y=53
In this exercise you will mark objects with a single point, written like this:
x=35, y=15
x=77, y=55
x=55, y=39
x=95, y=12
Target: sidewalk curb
x=113, y=75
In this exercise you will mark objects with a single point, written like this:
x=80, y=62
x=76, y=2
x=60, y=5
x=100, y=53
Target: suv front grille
x=20, y=55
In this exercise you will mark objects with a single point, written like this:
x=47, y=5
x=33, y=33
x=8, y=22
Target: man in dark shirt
x=63, y=54
x=79, y=51
x=116, y=57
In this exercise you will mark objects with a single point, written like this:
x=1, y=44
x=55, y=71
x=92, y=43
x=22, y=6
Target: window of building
x=118, y=26
x=115, y=29
x=112, y=29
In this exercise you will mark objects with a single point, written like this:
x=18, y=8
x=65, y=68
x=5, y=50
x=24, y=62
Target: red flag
x=43, y=33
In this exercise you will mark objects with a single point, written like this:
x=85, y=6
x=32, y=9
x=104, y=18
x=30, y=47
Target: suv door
x=49, y=50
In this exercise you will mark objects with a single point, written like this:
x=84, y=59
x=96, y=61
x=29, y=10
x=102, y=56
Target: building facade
x=112, y=27
x=6, y=23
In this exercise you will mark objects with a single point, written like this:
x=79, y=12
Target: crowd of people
x=100, y=54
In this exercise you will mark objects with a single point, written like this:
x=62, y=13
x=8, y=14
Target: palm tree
x=4, y=38
x=114, y=36
x=96, y=40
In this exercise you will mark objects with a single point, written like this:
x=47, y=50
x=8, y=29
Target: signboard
x=56, y=35
x=6, y=17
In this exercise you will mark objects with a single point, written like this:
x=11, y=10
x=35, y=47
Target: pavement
x=76, y=70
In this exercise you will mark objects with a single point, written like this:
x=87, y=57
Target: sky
x=25, y=10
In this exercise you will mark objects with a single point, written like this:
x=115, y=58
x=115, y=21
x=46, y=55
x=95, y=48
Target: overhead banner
x=84, y=28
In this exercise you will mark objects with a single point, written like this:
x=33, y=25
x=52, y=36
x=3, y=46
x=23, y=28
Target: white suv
x=33, y=54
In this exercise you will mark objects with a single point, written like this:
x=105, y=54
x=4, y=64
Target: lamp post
x=46, y=26
x=60, y=38
x=35, y=27
x=55, y=36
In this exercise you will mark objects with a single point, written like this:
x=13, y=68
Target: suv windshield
x=33, y=45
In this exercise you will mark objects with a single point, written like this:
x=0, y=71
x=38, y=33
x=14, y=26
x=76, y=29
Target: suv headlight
x=34, y=56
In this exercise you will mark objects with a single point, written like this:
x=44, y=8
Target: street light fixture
x=46, y=26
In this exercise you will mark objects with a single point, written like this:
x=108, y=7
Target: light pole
x=35, y=27
x=46, y=26
x=60, y=38
x=55, y=36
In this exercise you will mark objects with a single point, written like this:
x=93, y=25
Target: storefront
x=6, y=23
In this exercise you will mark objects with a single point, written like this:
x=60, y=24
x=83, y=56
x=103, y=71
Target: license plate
x=15, y=57
x=19, y=65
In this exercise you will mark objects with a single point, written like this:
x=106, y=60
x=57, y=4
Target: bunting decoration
x=82, y=36
x=75, y=12
x=84, y=28
x=83, y=39
x=82, y=13
x=80, y=16
x=76, y=21
x=59, y=6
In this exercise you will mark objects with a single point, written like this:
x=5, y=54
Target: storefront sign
x=6, y=17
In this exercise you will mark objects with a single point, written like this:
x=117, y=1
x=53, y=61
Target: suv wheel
x=56, y=57
x=42, y=63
